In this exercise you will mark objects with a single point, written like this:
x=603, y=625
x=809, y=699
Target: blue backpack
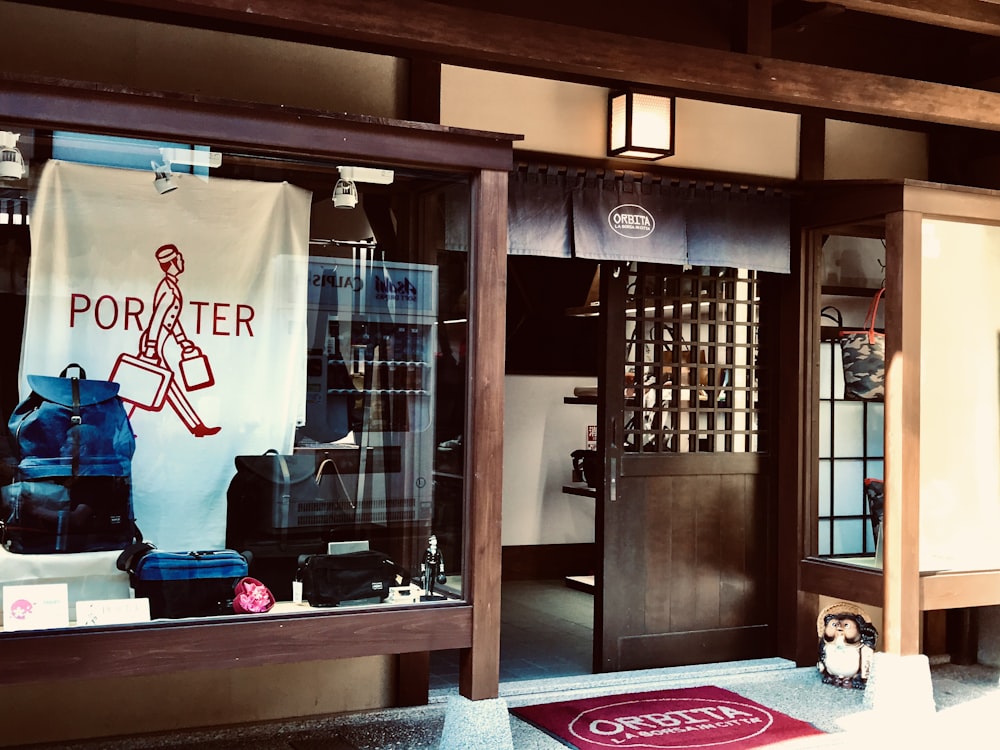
x=73, y=482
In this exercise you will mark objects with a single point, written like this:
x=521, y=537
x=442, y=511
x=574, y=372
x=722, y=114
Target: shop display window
x=851, y=432
x=288, y=339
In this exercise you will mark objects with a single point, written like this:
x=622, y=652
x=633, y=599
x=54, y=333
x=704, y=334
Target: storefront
x=327, y=277
x=340, y=280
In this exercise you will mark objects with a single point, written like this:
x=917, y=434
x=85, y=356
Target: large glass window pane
x=848, y=487
x=847, y=536
x=875, y=424
x=288, y=338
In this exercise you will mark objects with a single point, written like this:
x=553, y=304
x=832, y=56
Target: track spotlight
x=162, y=178
x=345, y=194
x=11, y=162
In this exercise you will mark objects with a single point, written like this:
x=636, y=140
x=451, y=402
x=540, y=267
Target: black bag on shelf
x=273, y=494
x=328, y=580
x=73, y=480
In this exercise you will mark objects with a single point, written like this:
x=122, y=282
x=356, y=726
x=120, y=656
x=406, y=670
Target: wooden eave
x=494, y=41
x=278, y=130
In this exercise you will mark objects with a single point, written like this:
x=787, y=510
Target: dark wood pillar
x=479, y=673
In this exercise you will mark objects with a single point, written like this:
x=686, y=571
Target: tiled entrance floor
x=546, y=630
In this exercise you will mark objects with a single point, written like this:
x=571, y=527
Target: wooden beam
x=757, y=28
x=162, y=648
x=812, y=147
x=493, y=41
x=901, y=527
x=479, y=668
x=966, y=15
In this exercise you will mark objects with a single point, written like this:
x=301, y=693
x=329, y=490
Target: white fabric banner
x=196, y=301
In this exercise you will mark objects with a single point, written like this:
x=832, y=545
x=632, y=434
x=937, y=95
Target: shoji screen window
x=850, y=450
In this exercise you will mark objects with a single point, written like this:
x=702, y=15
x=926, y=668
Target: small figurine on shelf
x=846, y=644
x=432, y=570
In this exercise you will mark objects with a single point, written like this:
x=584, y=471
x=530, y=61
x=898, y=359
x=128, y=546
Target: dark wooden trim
x=756, y=27
x=794, y=412
x=424, y=103
x=538, y=562
x=640, y=465
x=965, y=15
x=610, y=431
x=812, y=147
x=39, y=656
x=903, y=342
x=276, y=130
x=413, y=678
x=479, y=671
x=696, y=647
x=696, y=179
x=830, y=578
x=475, y=38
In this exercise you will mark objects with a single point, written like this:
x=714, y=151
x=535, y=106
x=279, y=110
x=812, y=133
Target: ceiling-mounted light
x=11, y=162
x=640, y=126
x=345, y=194
x=162, y=178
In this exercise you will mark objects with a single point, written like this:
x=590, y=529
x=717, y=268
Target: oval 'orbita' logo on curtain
x=631, y=221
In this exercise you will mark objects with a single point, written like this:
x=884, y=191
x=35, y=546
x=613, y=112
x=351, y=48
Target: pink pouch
x=252, y=597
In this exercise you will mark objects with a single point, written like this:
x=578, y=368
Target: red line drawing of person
x=165, y=323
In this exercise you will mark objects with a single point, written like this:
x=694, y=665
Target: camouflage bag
x=864, y=358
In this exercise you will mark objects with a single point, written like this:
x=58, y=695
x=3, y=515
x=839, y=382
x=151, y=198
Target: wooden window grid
x=691, y=360
x=850, y=449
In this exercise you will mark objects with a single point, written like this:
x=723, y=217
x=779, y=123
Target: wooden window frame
x=892, y=210
x=472, y=626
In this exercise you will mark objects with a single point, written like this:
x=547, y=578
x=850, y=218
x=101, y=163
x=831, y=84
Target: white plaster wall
x=50, y=42
x=540, y=432
x=862, y=152
x=571, y=119
x=959, y=404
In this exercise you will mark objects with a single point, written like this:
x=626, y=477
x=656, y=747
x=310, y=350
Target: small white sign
x=112, y=611
x=36, y=607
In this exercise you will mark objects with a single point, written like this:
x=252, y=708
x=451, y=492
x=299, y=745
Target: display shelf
x=580, y=400
x=848, y=291
x=581, y=583
x=579, y=488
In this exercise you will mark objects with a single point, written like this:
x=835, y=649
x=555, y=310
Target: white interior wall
x=540, y=432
